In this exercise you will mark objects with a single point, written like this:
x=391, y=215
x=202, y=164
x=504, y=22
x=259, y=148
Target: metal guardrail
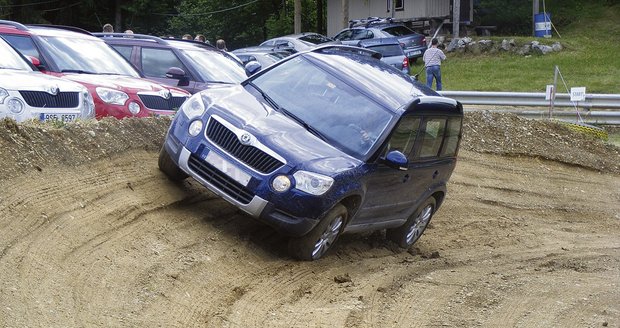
x=602, y=101
x=590, y=117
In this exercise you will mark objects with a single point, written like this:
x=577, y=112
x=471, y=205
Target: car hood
x=276, y=131
x=34, y=81
x=119, y=82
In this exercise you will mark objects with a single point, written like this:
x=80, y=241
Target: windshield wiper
x=76, y=71
x=220, y=82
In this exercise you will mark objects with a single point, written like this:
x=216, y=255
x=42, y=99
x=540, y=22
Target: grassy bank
x=590, y=58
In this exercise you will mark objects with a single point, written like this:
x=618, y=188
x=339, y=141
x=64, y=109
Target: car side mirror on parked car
x=178, y=74
x=36, y=62
x=397, y=160
x=252, y=67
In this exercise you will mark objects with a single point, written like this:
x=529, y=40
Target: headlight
x=112, y=96
x=3, y=95
x=134, y=108
x=89, y=105
x=15, y=106
x=281, y=183
x=195, y=127
x=312, y=183
x=193, y=107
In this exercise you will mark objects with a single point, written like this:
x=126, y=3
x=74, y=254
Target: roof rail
x=17, y=25
x=366, y=22
x=338, y=47
x=130, y=35
x=63, y=27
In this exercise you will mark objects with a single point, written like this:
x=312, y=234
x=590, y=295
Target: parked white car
x=28, y=94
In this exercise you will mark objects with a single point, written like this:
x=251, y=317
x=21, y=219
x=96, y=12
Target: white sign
x=550, y=93
x=578, y=94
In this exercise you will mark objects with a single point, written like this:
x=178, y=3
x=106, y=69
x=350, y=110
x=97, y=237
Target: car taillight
x=423, y=41
x=405, y=62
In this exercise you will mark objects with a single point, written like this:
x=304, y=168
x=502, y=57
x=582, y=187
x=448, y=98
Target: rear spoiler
x=434, y=104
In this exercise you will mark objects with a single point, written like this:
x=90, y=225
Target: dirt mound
x=33, y=145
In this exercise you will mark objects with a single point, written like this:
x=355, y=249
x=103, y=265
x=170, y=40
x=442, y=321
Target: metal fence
x=598, y=101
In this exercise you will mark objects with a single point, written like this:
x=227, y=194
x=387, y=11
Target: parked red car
x=118, y=89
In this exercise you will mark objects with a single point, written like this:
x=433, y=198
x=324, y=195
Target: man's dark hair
x=434, y=41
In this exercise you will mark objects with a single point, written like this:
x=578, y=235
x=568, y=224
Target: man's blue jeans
x=433, y=72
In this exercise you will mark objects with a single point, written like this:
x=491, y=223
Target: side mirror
x=396, y=160
x=178, y=74
x=36, y=62
x=252, y=67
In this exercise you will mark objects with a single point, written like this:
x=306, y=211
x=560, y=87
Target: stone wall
x=468, y=45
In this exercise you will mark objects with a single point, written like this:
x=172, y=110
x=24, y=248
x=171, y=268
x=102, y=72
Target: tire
x=168, y=166
x=320, y=239
x=407, y=234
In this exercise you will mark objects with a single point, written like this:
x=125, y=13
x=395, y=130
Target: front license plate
x=58, y=117
x=228, y=168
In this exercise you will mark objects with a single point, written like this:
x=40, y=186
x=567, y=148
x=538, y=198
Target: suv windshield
x=215, y=67
x=329, y=107
x=88, y=56
x=11, y=59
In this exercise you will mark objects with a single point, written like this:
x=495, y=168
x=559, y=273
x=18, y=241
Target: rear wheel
x=319, y=240
x=407, y=234
x=169, y=167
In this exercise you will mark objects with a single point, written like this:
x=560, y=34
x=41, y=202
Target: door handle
x=406, y=178
x=435, y=174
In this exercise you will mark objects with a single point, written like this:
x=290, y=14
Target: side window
x=25, y=45
x=156, y=62
x=344, y=35
x=125, y=51
x=452, y=137
x=404, y=135
x=432, y=138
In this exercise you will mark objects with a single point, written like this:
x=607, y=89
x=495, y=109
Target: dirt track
x=108, y=241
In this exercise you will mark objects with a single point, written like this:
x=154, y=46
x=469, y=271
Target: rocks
x=468, y=45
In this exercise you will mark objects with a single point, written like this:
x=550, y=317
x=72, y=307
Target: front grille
x=250, y=155
x=42, y=99
x=160, y=103
x=220, y=180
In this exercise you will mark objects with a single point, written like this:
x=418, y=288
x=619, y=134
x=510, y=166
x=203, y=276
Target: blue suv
x=326, y=141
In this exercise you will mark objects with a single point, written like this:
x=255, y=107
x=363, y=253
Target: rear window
x=314, y=39
x=388, y=50
x=398, y=30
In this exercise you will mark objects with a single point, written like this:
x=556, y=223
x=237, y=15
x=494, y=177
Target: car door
x=430, y=144
x=155, y=63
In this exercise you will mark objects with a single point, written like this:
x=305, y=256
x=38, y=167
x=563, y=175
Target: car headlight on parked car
x=15, y=106
x=3, y=95
x=312, y=183
x=112, y=96
x=281, y=183
x=193, y=107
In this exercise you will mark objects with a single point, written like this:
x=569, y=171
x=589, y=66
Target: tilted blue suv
x=326, y=141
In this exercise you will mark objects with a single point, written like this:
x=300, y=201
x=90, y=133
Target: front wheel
x=319, y=240
x=407, y=234
x=169, y=167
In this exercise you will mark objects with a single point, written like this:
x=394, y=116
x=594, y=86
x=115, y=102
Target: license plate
x=227, y=168
x=415, y=53
x=58, y=117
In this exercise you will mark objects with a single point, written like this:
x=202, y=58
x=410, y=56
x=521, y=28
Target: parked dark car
x=326, y=141
x=297, y=42
x=188, y=64
x=413, y=43
x=117, y=89
x=391, y=51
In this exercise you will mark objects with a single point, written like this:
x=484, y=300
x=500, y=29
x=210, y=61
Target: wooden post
x=297, y=16
x=456, y=18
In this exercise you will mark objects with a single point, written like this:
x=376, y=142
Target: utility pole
x=535, y=10
x=456, y=18
x=297, y=16
x=345, y=13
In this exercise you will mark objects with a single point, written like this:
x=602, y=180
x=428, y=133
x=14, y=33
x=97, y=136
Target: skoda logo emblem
x=245, y=138
x=53, y=90
x=165, y=94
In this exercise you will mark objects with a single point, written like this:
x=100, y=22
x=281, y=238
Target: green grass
x=590, y=58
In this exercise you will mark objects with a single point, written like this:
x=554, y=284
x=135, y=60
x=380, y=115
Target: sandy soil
x=92, y=234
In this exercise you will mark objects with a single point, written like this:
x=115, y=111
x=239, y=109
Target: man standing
x=432, y=61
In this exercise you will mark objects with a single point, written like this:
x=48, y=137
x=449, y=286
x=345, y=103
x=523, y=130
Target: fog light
x=194, y=128
x=281, y=183
x=15, y=106
x=134, y=108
